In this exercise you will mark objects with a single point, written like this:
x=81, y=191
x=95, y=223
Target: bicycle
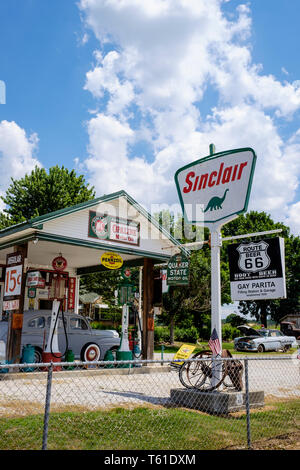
x=209, y=373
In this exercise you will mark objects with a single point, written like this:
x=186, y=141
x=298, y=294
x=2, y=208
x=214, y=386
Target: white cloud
x=163, y=56
x=17, y=153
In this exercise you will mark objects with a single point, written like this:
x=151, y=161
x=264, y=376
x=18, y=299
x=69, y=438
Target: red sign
x=71, y=293
x=9, y=305
x=59, y=263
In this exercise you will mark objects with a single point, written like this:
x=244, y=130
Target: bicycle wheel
x=206, y=374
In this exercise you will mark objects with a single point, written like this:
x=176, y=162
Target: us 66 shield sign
x=257, y=270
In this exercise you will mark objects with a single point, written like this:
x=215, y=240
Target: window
x=38, y=322
x=60, y=323
x=78, y=324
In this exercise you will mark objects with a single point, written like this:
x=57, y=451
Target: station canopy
x=82, y=233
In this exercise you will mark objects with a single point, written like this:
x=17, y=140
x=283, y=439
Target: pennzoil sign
x=111, y=260
x=106, y=227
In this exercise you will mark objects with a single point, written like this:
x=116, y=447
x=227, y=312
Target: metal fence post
x=47, y=407
x=247, y=402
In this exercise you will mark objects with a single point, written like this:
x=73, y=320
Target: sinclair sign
x=217, y=186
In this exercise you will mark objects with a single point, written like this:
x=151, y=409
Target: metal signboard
x=178, y=271
x=106, y=227
x=216, y=187
x=257, y=270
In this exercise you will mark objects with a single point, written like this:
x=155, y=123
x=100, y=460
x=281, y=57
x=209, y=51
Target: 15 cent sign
x=217, y=186
x=257, y=270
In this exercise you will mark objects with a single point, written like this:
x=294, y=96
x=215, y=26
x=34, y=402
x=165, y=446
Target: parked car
x=262, y=340
x=290, y=329
x=87, y=344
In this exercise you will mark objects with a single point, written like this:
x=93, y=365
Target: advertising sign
x=13, y=281
x=34, y=279
x=216, y=187
x=106, y=227
x=257, y=270
x=71, y=293
x=183, y=352
x=111, y=260
x=178, y=271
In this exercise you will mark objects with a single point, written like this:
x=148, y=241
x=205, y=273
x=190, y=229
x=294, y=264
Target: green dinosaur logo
x=216, y=202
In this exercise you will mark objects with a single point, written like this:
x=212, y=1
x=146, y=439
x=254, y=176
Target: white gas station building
x=61, y=246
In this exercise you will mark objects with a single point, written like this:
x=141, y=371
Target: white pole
x=140, y=308
x=216, y=244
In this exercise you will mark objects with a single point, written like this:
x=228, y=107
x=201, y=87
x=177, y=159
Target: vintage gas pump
x=124, y=353
x=52, y=352
x=126, y=295
x=57, y=295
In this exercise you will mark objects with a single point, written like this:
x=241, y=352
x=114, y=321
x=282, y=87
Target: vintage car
x=262, y=340
x=289, y=328
x=86, y=343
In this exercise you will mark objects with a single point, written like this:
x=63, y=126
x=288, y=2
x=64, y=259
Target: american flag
x=214, y=343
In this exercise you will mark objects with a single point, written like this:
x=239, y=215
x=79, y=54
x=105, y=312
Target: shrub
x=229, y=332
x=186, y=335
x=161, y=334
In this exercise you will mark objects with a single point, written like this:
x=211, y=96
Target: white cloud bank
x=17, y=154
x=156, y=61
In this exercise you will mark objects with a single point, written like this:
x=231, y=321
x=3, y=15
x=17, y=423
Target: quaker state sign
x=257, y=270
x=216, y=187
x=178, y=271
x=111, y=260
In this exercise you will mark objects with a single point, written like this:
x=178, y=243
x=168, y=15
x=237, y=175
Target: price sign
x=13, y=280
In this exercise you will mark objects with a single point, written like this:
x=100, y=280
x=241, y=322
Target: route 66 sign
x=257, y=270
x=253, y=257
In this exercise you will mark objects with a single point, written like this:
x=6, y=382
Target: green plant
x=188, y=335
x=229, y=332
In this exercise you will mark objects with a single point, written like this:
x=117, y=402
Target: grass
x=203, y=345
x=147, y=428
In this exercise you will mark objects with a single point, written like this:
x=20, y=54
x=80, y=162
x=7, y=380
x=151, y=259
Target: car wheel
x=38, y=358
x=91, y=352
x=286, y=348
x=260, y=348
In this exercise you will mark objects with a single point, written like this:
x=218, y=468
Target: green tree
x=39, y=193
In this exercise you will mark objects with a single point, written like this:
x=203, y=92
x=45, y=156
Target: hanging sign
x=257, y=270
x=178, y=271
x=34, y=279
x=59, y=263
x=217, y=186
x=111, y=260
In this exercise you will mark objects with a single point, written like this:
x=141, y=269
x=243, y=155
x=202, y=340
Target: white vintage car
x=263, y=340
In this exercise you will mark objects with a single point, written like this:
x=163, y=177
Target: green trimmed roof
x=37, y=222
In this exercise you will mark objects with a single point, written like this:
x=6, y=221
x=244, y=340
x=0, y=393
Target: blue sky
x=128, y=91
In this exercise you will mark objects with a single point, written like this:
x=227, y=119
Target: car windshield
x=264, y=332
x=272, y=333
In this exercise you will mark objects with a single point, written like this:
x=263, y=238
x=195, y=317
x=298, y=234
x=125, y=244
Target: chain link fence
x=142, y=405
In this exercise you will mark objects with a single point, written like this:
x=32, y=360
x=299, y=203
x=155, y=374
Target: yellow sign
x=111, y=260
x=183, y=352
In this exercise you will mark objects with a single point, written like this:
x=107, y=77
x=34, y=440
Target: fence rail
x=142, y=405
